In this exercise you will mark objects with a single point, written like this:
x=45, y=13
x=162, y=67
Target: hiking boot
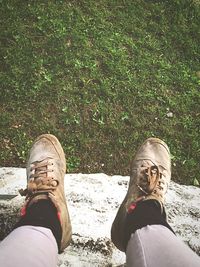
x=46, y=168
x=150, y=174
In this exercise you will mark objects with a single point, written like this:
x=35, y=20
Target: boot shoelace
x=40, y=179
x=152, y=181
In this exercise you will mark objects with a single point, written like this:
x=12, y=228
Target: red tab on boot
x=59, y=215
x=131, y=208
x=23, y=211
x=134, y=204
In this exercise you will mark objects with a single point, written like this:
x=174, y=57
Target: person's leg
x=43, y=213
x=31, y=246
x=151, y=241
x=44, y=216
x=144, y=213
x=140, y=228
x=35, y=239
x=155, y=245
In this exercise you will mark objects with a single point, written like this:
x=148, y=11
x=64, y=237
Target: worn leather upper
x=46, y=168
x=150, y=174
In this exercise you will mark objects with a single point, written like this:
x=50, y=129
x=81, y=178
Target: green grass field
x=102, y=76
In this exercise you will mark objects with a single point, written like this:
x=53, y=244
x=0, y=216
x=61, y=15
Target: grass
x=102, y=76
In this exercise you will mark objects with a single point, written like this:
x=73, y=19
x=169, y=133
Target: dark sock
x=147, y=212
x=43, y=213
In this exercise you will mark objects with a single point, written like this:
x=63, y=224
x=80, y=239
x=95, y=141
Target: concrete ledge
x=93, y=200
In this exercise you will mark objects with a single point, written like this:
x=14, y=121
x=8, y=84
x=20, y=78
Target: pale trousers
x=157, y=246
x=151, y=246
x=29, y=246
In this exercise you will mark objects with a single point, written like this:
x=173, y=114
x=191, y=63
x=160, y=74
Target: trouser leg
x=43, y=213
x=148, y=212
x=36, y=239
x=156, y=245
x=31, y=246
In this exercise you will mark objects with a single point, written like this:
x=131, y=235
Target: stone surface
x=93, y=200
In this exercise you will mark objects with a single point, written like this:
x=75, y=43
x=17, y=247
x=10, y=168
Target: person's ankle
x=148, y=212
x=44, y=214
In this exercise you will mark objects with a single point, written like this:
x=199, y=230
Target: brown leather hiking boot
x=46, y=168
x=150, y=175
